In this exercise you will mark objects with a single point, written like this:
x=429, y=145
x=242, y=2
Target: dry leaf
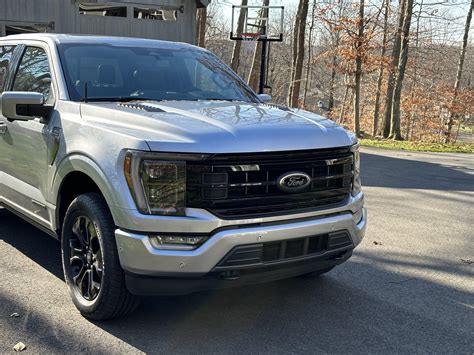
x=19, y=347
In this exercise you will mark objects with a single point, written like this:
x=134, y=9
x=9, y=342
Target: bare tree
x=393, y=70
x=235, y=61
x=358, y=66
x=255, y=69
x=386, y=5
x=457, y=83
x=295, y=85
x=201, y=15
x=395, y=130
x=310, y=47
x=415, y=70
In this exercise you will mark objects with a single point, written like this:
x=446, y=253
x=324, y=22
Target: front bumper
x=139, y=257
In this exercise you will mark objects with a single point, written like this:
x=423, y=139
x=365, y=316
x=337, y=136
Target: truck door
x=26, y=167
x=6, y=55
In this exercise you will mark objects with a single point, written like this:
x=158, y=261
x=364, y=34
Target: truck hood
x=217, y=126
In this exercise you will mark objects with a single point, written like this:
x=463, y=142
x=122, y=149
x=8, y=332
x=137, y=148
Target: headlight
x=356, y=183
x=157, y=186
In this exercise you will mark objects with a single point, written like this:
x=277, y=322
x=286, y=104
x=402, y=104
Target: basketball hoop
x=250, y=36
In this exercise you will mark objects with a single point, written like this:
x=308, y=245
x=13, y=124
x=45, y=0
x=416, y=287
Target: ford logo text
x=293, y=182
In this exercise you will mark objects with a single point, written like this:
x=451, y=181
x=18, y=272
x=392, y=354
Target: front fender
x=107, y=183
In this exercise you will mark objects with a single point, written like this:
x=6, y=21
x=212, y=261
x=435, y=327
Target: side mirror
x=23, y=106
x=264, y=98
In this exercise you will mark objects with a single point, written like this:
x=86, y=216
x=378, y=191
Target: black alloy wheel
x=86, y=260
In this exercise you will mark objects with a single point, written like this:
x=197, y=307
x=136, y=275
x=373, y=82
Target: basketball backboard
x=258, y=23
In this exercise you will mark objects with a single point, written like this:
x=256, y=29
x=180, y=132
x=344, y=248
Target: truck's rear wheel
x=90, y=260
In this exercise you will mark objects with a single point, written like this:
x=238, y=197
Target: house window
x=160, y=14
x=102, y=10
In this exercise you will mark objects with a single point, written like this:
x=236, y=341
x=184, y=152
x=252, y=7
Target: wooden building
x=173, y=20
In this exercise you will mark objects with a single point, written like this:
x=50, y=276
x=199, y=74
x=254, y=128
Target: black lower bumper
x=149, y=286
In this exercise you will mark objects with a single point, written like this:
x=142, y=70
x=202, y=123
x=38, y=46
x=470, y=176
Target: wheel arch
x=77, y=175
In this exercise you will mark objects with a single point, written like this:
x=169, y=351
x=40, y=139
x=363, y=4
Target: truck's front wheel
x=90, y=260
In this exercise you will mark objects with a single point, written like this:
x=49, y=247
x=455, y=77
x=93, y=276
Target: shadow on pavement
x=374, y=303
x=27, y=239
x=360, y=307
x=385, y=171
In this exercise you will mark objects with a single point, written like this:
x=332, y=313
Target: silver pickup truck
x=162, y=172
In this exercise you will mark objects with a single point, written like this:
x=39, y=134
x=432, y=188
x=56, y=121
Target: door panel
x=26, y=170
x=6, y=55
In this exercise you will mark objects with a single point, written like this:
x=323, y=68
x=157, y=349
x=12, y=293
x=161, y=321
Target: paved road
x=410, y=292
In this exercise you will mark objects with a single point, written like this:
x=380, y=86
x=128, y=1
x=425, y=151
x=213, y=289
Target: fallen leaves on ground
x=19, y=347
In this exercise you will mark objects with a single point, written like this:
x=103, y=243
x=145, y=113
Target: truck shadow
x=373, y=303
x=361, y=306
x=31, y=242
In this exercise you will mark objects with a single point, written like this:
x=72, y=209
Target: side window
x=33, y=73
x=6, y=53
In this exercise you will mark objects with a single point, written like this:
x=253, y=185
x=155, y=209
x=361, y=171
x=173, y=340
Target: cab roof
x=58, y=38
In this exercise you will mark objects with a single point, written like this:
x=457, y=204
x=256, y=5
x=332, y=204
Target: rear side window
x=33, y=73
x=6, y=53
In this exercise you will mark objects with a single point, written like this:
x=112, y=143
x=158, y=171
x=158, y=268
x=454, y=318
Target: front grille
x=284, y=250
x=245, y=185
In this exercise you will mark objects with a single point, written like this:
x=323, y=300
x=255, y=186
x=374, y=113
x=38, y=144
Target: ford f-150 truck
x=161, y=172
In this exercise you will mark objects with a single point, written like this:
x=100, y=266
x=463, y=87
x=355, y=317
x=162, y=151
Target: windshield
x=105, y=72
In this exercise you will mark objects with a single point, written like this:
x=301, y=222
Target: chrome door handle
x=3, y=128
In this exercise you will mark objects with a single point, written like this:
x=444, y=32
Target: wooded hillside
x=395, y=69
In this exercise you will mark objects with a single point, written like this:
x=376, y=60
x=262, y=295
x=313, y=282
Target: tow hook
x=339, y=256
x=230, y=275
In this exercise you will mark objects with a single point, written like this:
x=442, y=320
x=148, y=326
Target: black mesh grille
x=245, y=185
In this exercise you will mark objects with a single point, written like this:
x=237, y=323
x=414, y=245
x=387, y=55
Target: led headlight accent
x=176, y=242
x=356, y=184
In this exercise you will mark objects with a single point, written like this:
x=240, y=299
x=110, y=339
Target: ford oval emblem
x=293, y=182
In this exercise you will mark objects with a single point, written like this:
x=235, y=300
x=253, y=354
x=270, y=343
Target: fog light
x=176, y=242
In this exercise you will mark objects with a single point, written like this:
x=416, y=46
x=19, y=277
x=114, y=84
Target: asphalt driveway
x=409, y=287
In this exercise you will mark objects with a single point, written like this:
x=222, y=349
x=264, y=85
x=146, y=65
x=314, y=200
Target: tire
x=318, y=273
x=90, y=259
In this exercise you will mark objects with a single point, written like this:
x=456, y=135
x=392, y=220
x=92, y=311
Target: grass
x=418, y=146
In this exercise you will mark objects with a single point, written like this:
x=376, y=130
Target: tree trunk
x=395, y=130
x=375, y=130
x=257, y=55
x=393, y=69
x=343, y=108
x=310, y=45
x=459, y=71
x=294, y=51
x=412, y=118
x=358, y=68
x=235, y=61
x=201, y=27
x=332, y=83
x=298, y=64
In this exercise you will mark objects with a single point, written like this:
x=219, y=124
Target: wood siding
x=64, y=15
